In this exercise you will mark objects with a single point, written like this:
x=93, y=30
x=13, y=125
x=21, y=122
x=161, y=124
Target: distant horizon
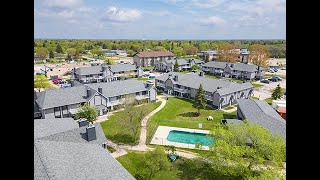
x=160, y=19
x=163, y=39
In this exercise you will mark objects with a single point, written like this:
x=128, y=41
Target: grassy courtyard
x=255, y=85
x=114, y=131
x=182, y=168
x=180, y=113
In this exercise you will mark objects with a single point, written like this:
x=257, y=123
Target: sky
x=160, y=19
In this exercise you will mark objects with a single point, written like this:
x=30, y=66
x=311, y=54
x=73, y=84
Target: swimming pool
x=189, y=138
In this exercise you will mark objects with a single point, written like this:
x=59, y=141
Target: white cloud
x=213, y=20
x=62, y=3
x=207, y=3
x=123, y=15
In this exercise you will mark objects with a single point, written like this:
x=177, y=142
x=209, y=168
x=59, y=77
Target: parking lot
x=265, y=91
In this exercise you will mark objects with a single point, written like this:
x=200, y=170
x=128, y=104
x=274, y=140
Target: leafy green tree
x=206, y=58
x=44, y=45
x=159, y=48
x=72, y=52
x=51, y=54
x=200, y=100
x=178, y=51
x=240, y=148
x=97, y=52
x=87, y=111
x=130, y=52
x=104, y=46
x=109, y=61
x=42, y=52
x=176, y=66
x=59, y=49
x=195, y=67
x=276, y=94
x=157, y=161
x=41, y=82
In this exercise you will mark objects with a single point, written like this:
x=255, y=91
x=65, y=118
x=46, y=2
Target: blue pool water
x=189, y=138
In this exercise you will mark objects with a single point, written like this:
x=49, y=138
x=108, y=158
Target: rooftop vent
x=83, y=122
x=88, y=93
x=100, y=90
x=91, y=132
x=231, y=65
x=175, y=77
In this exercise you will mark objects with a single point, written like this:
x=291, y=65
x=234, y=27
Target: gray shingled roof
x=208, y=84
x=67, y=160
x=259, y=112
x=236, y=66
x=116, y=88
x=62, y=152
x=215, y=64
x=98, y=69
x=47, y=127
x=182, y=61
x=62, y=97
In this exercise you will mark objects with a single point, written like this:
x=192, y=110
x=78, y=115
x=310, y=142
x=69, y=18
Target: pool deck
x=160, y=137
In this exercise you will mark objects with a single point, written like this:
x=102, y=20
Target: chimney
x=201, y=73
x=219, y=87
x=83, y=122
x=175, y=77
x=91, y=132
x=88, y=93
x=100, y=90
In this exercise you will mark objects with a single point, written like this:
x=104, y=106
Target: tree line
x=275, y=48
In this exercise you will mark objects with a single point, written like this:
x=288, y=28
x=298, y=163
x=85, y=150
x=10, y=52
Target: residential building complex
x=219, y=93
x=64, y=149
x=151, y=58
x=236, y=70
x=184, y=64
x=213, y=55
x=105, y=73
x=60, y=103
x=261, y=113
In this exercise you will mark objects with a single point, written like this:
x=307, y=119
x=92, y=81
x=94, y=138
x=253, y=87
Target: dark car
x=265, y=81
x=273, y=79
x=277, y=77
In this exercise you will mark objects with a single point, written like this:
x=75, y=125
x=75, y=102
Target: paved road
x=265, y=91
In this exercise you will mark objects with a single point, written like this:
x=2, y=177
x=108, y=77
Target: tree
x=109, y=61
x=191, y=50
x=104, y=46
x=90, y=112
x=42, y=52
x=240, y=148
x=41, y=82
x=178, y=51
x=195, y=67
x=97, y=51
x=206, y=58
x=228, y=52
x=176, y=66
x=200, y=100
x=59, y=49
x=156, y=161
x=276, y=94
x=72, y=52
x=131, y=117
x=259, y=55
x=51, y=54
x=159, y=48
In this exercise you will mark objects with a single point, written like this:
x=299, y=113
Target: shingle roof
x=236, y=66
x=182, y=61
x=259, y=112
x=208, y=84
x=117, y=88
x=47, y=127
x=146, y=54
x=67, y=160
x=62, y=97
x=61, y=151
x=98, y=69
x=215, y=64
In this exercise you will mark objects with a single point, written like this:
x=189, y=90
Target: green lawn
x=256, y=98
x=142, y=79
x=185, y=72
x=116, y=133
x=212, y=76
x=111, y=149
x=148, y=68
x=268, y=100
x=228, y=108
x=256, y=85
x=183, y=169
x=180, y=113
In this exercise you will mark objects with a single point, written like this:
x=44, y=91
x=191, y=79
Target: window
x=137, y=93
x=57, y=112
x=144, y=92
x=65, y=111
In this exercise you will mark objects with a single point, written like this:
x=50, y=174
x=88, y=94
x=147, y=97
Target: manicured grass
x=143, y=79
x=186, y=72
x=268, y=100
x=228, y=108
x=184, y=169
x=111, y=149
x=116, y=133
x=212, y=76
x=148, y=68
x=253, y=97
x=179, y=112
x=256, y=85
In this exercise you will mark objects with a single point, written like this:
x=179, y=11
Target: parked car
x=265, y=81
x=284, y=68
x=279, y=78
x=273, y=79
x=271, y=70
x=57, y=80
